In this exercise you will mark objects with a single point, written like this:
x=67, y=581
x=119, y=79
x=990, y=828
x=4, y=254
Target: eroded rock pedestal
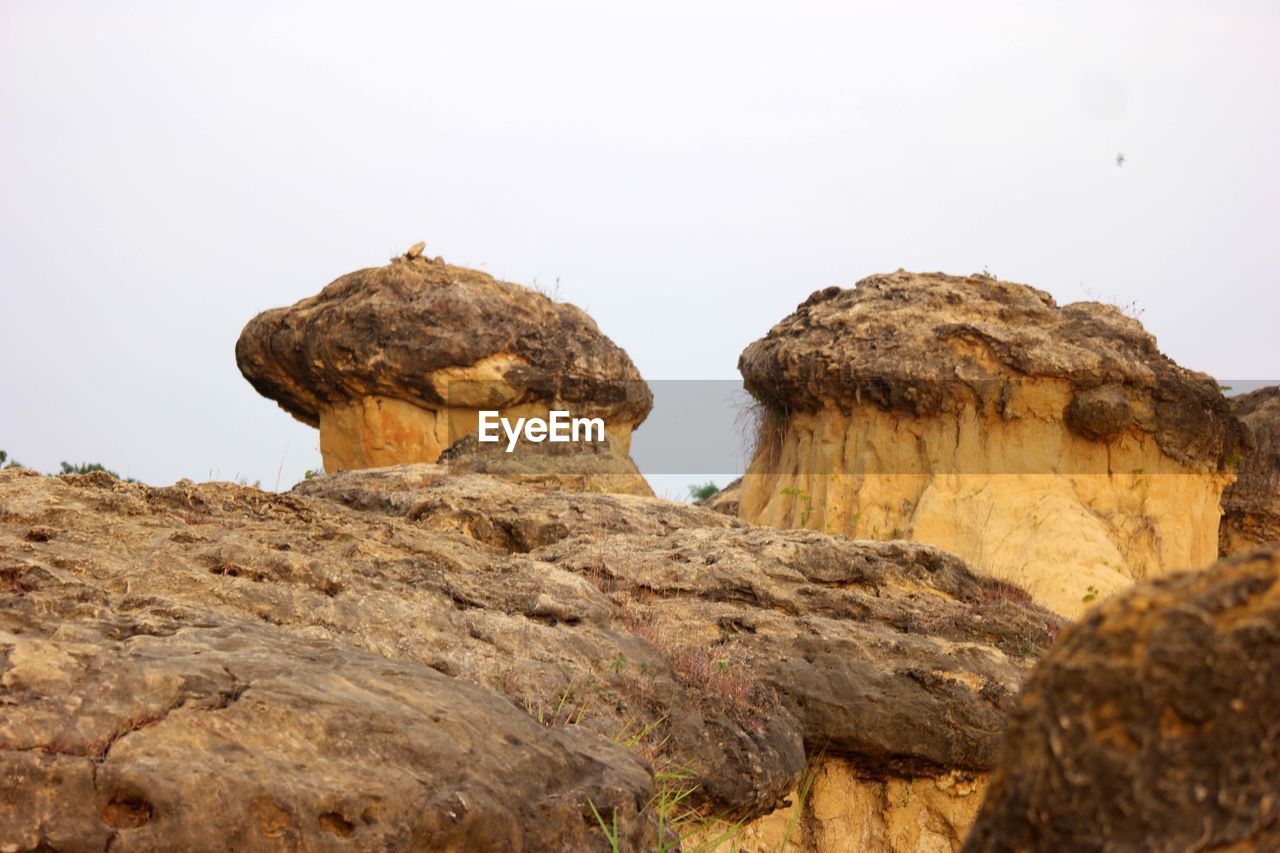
x=1052, y=446
x=393, y=363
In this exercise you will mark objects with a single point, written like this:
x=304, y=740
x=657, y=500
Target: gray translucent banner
x=711, y=428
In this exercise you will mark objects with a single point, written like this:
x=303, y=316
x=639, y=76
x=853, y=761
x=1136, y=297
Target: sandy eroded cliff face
x=838, y=809
x=393, y=363
x=1052, y=446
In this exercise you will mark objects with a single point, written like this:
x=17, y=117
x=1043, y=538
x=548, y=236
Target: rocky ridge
x=161, y=642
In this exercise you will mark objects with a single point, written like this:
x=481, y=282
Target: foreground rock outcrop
x=1053, y=446
x=1251, y=505
x=412, y=657
x=1152, y=724
x=393, y=363
x=136, y=722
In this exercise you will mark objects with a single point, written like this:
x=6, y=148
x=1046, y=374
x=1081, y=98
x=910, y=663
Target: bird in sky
x=1120, y=159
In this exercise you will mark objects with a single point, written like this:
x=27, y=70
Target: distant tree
x=701, y=493
x=6, y=463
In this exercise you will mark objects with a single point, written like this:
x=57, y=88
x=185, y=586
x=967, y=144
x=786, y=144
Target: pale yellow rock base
x=1017, y=495
x=375, y=432
x=843, y=813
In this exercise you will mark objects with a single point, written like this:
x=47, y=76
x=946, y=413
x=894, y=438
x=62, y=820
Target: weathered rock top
x=408, y=329
x=921, y=342
x=1251, y=505
x=1151, y=724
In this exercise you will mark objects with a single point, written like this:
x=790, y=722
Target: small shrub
x=90, y=467
x=701, y=493
x=806, y=501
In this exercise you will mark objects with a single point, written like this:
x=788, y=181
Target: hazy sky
x=688, y=171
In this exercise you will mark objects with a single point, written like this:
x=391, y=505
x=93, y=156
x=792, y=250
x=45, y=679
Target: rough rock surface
x=596, y=466
x=392, y=363
x=1053, y=446
x=1152, y=724
x=302, y=653
x=136, y=722
x=1251, y=505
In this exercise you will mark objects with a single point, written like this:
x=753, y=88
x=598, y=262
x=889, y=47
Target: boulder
x=394, y=363
x=1054, y=446
x=1251, y=505
x=311, y=656
x=1152, y=724
x=139, y=718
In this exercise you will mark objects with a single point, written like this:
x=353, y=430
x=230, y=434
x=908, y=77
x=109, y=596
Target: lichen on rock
x=393, y=363
x=1051, y=445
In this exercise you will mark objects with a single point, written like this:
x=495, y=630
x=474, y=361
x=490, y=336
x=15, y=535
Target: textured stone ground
x=368, y=659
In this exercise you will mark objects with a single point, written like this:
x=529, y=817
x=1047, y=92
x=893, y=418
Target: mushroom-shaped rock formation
x=1052, y=446
x=1251, y=505
x=394, y=363
x=1151, y=724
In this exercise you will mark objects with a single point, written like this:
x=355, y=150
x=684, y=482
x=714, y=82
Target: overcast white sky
x=689, y=171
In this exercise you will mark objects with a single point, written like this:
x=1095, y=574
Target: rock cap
x=416, y=327
x=921, y=343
